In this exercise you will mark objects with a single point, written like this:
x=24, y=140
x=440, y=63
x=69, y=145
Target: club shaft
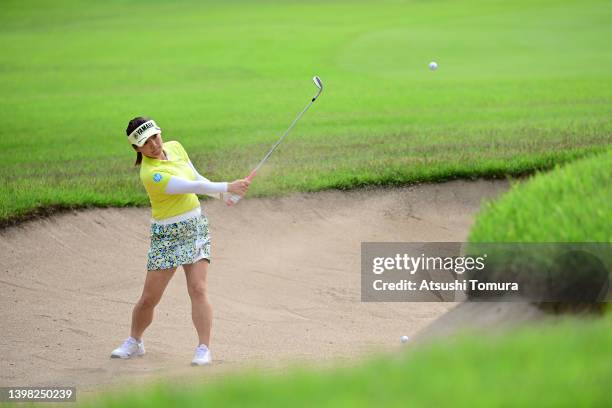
x=267, y=156
x=234, y=198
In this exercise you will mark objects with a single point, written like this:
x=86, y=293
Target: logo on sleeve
x=157, y=177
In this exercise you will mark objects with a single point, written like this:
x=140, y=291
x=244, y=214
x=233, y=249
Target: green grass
x=521, y=86
x=566, y=364
x=573, y=203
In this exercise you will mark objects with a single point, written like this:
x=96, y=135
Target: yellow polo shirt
x=155, y=175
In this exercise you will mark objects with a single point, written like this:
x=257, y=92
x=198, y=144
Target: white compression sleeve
x=218, y=196
x=178, y=185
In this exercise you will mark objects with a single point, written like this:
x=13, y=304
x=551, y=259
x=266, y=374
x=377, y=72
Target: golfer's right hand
x=239, y=187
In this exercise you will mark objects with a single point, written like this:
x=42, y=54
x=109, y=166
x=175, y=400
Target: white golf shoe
x=130, y=348
x=202, y=356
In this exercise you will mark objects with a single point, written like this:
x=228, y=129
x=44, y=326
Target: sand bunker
x=284, y=284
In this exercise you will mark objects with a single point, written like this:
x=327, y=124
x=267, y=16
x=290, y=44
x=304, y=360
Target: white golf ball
x=404, y=339
x=433, y=65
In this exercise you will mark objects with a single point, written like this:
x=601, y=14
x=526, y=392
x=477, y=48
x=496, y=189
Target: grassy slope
x=567, y=364
x=571, y=204
x=521, y=86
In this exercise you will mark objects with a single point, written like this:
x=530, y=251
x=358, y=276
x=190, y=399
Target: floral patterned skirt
x=180, y=243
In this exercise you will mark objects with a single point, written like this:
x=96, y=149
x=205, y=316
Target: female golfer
x=179, y=232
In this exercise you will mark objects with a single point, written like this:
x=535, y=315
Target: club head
x=319, y=84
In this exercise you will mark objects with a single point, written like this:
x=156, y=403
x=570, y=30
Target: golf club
x=234, y=198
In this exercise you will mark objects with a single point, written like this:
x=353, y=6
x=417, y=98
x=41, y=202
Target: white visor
x=140, y=135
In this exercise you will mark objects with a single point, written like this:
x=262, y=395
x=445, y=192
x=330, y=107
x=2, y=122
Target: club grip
x=233, y=200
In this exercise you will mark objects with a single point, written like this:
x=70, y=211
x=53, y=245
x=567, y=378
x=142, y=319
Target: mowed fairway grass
x=521, y=86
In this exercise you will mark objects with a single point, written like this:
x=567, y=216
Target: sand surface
x=284, y=284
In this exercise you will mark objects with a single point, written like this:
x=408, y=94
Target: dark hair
x=134, y=123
